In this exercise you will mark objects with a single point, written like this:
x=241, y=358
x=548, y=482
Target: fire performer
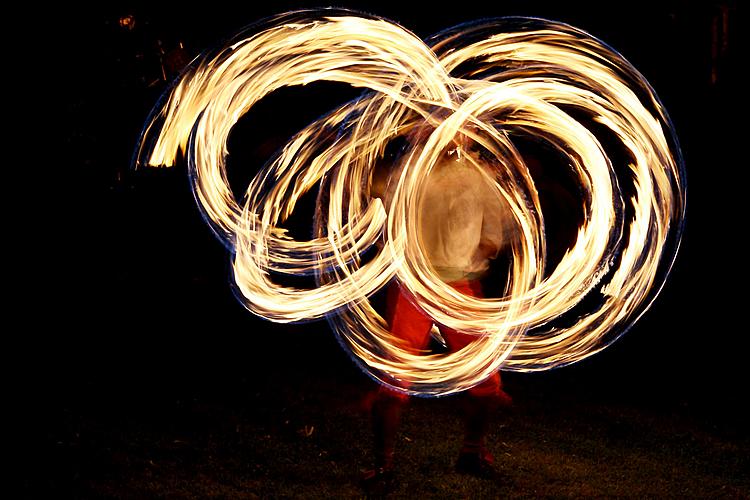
x=463, y=224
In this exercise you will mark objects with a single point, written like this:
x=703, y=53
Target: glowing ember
x=486, y=81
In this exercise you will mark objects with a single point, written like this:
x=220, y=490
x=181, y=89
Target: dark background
x=144, y=308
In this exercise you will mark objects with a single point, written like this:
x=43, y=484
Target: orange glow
x=127, y=22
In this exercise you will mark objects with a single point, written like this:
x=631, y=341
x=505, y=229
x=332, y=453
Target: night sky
x=145, y=295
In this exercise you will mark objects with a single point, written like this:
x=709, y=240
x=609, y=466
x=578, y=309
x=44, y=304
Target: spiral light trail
x=487, y=81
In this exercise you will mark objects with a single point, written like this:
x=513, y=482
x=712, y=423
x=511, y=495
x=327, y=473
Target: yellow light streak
x=482, y=81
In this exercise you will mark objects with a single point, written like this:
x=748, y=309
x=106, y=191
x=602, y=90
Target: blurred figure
x=463, y=223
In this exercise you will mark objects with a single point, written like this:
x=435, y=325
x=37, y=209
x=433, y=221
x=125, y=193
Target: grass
x=299, y=435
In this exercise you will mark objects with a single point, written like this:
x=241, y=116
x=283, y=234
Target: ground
x=300, y=432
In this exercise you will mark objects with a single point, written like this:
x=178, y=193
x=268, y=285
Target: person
x=463, y=225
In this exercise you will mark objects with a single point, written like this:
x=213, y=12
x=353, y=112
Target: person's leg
x=386, y=416
x=411, y=324
x=480, y=402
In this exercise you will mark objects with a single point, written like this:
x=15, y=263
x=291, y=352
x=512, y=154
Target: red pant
x=410, y=323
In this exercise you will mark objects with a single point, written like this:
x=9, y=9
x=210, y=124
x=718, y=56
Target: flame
x=482, y=81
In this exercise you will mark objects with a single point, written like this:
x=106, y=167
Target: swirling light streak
x=484, y=81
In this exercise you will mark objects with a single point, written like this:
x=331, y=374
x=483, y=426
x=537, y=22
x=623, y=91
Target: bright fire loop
x=489, y=81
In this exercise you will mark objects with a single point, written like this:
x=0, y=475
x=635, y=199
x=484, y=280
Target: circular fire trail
x=486, y=83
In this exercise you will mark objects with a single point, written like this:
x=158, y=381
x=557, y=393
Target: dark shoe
x=478, y=464
x=378, y=481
